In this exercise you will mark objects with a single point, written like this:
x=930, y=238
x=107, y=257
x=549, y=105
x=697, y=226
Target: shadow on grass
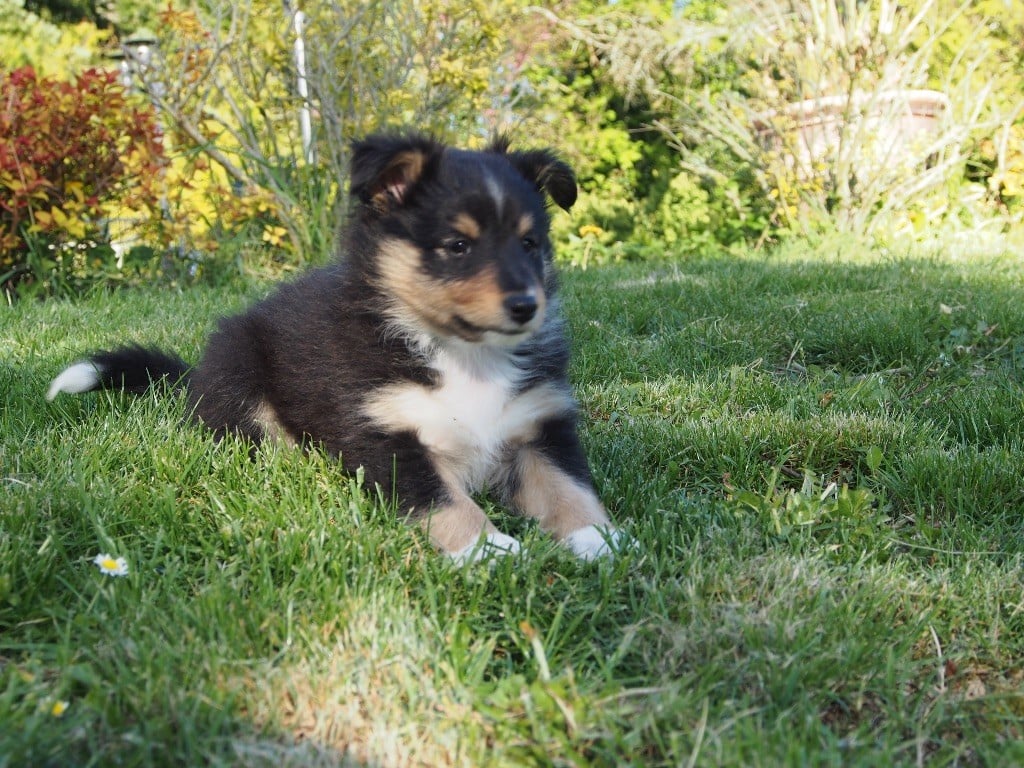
x=707, y=374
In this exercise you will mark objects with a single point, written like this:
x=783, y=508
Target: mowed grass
x=819, y=452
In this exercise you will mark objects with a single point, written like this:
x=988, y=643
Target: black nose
x=521, y=307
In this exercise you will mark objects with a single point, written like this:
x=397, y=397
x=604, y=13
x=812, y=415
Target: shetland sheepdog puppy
x=431, y=353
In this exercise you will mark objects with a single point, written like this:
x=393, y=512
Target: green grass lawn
x=820, y=454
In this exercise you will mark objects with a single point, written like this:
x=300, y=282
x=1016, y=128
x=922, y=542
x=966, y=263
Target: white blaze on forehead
x=496, y=191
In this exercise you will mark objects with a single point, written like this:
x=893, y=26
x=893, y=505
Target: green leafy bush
x=27, y=39
x=675, y=117
x=566, y=108
x=793, y=117
x=637, y=198
x=226, y=84
x=71, y=154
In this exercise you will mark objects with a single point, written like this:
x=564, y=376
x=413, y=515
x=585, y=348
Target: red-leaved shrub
x=68, y=151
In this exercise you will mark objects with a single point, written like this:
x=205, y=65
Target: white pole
x=305, y=120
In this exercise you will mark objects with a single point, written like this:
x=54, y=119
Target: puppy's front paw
x=492, y=545
x=594, y=541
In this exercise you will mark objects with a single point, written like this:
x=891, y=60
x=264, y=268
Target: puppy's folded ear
x=548, y=173
x=386, y=168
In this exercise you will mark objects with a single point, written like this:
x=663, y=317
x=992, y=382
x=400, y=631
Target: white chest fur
x=467, y=413
x=473, y=417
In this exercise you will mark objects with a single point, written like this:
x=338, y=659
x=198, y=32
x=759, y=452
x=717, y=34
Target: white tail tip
x=79, y=377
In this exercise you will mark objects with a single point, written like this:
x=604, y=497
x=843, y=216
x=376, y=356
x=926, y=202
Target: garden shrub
x=26, y=39
x=566, y=108
x=225, y=84
x=236, y=185
x=72, y=154
x=663, y=109
x=637, y=199
x=719, y=78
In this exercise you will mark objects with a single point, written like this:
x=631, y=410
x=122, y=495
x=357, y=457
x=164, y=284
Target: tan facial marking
x=422, y=301
x=466, y=225
x=559, y=503
x=477, y=299
x=402, y=279
x=399, y=264
x=525, y=225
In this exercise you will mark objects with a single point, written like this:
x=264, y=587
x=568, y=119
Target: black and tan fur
x=431, y=353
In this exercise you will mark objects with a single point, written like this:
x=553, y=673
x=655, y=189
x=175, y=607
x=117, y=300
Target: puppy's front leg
x=551, y=483
x=431, y=497
x=460, y=529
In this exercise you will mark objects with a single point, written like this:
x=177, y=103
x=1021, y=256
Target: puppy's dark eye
x=458, y=247
x=530, y=243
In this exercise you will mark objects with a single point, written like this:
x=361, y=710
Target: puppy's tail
x=131, y=369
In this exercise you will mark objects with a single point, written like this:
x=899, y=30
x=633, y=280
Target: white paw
x=492, y=545
x=594, y=541
x=76, y=378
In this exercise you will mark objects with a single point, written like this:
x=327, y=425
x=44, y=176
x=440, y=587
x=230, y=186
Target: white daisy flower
x=112, y=566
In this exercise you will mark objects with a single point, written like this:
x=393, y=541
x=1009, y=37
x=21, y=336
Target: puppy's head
x=459, y=240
